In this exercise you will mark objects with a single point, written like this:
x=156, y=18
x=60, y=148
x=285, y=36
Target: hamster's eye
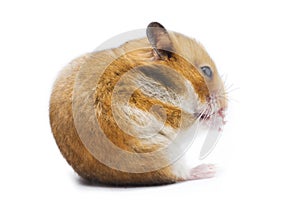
x=207, y=71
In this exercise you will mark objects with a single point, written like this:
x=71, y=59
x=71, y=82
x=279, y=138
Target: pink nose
x=221, y=112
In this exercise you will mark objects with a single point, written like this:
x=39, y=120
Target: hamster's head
x=204, y=91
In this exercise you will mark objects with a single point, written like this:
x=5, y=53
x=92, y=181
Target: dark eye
x=207, y=71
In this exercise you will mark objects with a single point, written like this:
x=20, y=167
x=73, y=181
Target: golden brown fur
x=112, y=64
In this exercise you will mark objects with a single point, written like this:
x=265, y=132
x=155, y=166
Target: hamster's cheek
x=190, y=101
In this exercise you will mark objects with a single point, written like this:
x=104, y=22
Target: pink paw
x=202, y=171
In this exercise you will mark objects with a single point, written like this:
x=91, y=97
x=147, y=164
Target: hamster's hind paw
x=202, y=171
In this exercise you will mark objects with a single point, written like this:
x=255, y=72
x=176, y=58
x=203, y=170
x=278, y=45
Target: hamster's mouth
x=205, y=117
x=208, y=115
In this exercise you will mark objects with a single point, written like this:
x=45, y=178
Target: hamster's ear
x=160, y=40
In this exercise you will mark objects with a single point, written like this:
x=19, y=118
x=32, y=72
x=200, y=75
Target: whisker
x=228, y=98
x=231, y=88
x=203, y=110
x=225, y=78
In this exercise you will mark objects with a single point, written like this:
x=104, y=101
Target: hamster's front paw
x=202, y=171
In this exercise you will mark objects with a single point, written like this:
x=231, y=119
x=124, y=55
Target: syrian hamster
x=126, y=115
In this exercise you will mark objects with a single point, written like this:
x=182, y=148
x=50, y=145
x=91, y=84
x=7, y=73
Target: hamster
x=127, y=115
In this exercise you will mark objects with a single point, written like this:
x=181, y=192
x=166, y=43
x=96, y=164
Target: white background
x=255, y=44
